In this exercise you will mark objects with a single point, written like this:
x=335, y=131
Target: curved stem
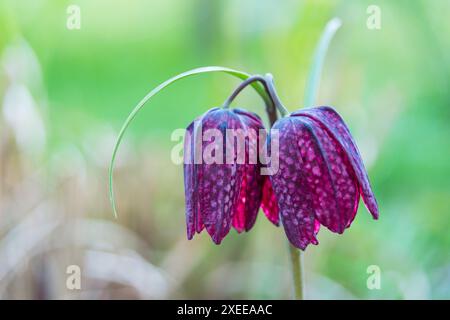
x=295, y=256
x=273, y=94
x=241, y=86
x=269, y=86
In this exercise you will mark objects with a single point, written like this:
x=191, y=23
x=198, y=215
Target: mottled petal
x=250, y=194
x=332, y=181
x=336, y=127
x=191, y=178
x=249, y=199
x=316, y=231
x=220, y=184
x=255, y=187
x=290, y=185
x=269, y=203
x=218, y=192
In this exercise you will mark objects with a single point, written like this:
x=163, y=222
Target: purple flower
x=223, y=184
x=321, y=175
x=319, y=180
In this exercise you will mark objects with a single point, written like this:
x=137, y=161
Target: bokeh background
x=64, y=95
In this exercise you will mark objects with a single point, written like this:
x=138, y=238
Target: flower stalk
x=269, y=86
x=241, y=87
x=296, y=258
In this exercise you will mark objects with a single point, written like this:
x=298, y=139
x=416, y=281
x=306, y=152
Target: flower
x=223, y=184
x=321, y=175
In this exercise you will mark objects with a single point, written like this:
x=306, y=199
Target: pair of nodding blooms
x=319, y=180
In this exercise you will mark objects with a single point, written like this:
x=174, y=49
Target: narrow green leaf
x=241, y=75
x=312, y=84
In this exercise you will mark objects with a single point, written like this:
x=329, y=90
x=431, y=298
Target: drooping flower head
x=223, y=184
x=321, y=175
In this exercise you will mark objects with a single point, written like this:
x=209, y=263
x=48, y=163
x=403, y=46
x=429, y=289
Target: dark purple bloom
x=321, y=175
x=222, y=193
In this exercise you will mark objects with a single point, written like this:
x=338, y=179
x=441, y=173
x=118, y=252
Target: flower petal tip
x=216, y=240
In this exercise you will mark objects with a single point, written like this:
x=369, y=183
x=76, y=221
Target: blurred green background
x=65, y=93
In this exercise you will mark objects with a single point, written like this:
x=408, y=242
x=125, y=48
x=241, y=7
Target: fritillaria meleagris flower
x=321, y=175
x=221, y=193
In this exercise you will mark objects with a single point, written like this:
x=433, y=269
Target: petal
x=316, y=231
x=251, y=192
x=218, y=192
x=332, y=181
x=191, y=178
x=337, y=128
x=290, y=185
x=269, y=203
x=249, y=199
x=219, y=186
x=317, y=181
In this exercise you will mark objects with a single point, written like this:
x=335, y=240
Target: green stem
x=297, y=271
x=241, y=87
x=270, y=86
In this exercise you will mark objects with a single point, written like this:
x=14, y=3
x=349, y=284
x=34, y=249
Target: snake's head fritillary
x=321, y=175
x=223, y=183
